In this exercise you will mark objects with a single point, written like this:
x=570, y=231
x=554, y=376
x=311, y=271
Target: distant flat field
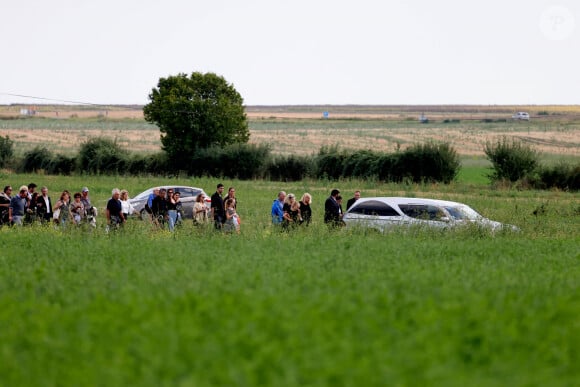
x=554, y=130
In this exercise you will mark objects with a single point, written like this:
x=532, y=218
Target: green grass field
x=308, y=308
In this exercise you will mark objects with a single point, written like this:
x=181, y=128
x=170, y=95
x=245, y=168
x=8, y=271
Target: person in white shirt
x=44, y=206
x=126, y=205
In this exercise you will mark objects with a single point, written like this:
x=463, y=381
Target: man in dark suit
x=332, y=209
x=352, y=200
x=217, y=207
x=44, y=206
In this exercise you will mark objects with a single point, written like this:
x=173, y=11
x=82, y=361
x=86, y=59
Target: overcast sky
x=295, y=52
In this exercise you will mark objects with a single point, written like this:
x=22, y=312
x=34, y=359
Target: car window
x=186, y=192
x=375, y=208
x=455, y=213
x=463, y=212
x=422, y=211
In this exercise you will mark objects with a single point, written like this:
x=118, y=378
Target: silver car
x=188, y=197
x=383, y=213
x=521, y=116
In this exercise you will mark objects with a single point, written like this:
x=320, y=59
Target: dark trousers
x=218, y=222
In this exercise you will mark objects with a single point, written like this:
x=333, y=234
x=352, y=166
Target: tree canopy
x=196, y=112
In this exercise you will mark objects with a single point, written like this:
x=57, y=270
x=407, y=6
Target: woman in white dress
x=126, y=205
x=200, y=210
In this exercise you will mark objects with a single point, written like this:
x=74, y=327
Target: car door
x=373, y=213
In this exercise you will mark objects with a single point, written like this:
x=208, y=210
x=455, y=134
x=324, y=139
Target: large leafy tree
x=196, y=112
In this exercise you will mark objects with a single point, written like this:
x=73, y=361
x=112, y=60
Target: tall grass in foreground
x=310, y=307
x=304, y=308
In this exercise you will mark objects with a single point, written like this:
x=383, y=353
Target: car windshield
x=463, y=213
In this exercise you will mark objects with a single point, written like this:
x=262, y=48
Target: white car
x=188, y=196
x=521, y=116
x=383, y=213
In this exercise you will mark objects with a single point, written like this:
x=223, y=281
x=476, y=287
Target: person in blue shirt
x=278, y=208
x=149, y=204
x=18, y=206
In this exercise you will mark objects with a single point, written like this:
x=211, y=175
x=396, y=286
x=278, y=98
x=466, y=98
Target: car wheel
x=144, y=215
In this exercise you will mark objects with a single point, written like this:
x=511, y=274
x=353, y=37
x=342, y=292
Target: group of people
x=288, y=212
x=164, y=207
x=29, y=206
x=224, y=210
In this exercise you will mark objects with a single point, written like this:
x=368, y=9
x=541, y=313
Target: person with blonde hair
x=305, y=210
x=232, y=222
x=200, y=210
x=126, y=204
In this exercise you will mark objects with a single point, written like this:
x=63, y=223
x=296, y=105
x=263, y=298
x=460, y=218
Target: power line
x=63, y=100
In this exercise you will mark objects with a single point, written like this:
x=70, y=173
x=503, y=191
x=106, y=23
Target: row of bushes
x=512, y=161
x=562, y=175
x=96, y=156
x=423, y=162
x=516, y=162
x=426, y=162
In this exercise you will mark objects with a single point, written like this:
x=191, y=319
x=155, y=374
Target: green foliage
x=155, y=164
x=511, y=160
x=6, y=150
x=137, y=164
x=40, y=158
x=196, y=112
x=158, y=164
x=490, y=120
x=62, y=165
x=426, y=162
x=386, y=167
x=361, y=164
x=243, y=161
x=289, y=168
x=562, y=176
x=102, y=155
x=330, y=162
